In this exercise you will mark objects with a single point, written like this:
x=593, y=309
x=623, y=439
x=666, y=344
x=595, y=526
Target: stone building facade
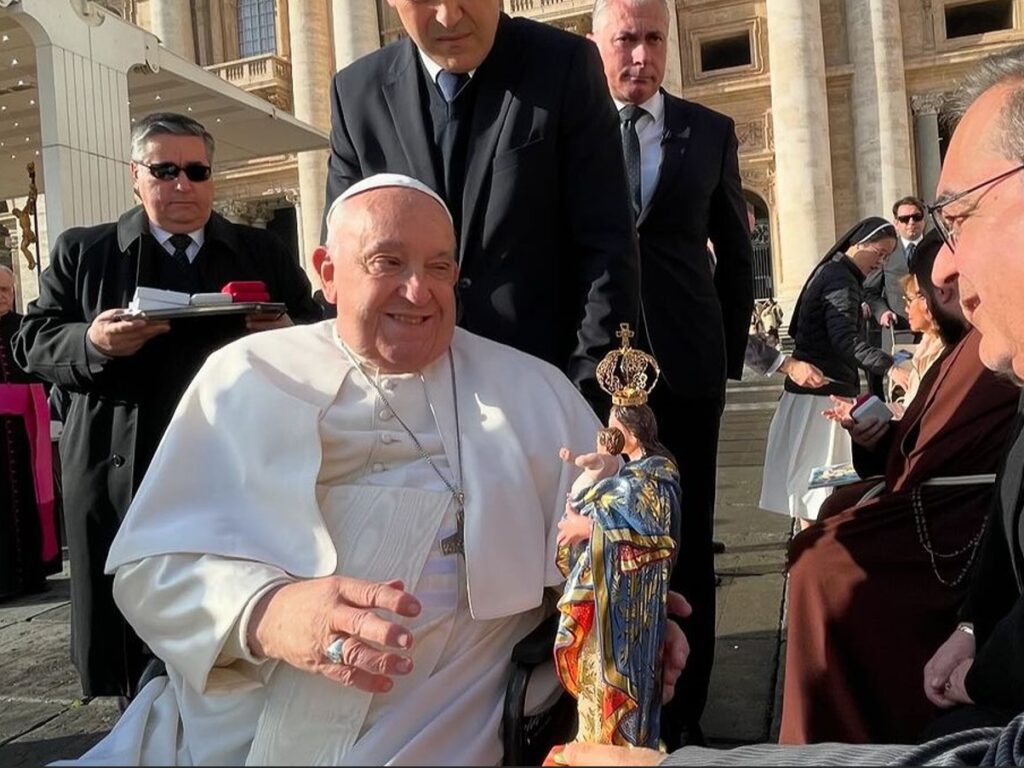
x=837, y=103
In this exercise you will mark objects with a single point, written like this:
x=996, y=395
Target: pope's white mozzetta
x=281, y=464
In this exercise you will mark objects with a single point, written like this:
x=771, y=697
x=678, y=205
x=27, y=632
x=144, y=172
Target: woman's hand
x=840, y=411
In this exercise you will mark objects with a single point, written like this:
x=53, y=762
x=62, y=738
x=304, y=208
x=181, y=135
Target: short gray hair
x=168, y=124
x=4, y=269
x=600, y=6
x=1005, y=68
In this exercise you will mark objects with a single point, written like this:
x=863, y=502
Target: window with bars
x=256, y=27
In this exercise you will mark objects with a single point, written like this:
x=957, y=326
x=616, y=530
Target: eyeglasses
x=915, y=217
x=948, y=229
x=169, y=171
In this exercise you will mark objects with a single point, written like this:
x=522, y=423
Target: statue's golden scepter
x=28, y=219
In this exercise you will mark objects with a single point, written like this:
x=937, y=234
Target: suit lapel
x=402, y=94
x=674, y=144
x=1013, y=519
x=496, y=81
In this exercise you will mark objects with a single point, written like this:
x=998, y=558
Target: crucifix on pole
x=28, y=222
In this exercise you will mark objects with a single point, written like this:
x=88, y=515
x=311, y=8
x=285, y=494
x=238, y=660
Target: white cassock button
x=388, y=385
x=378, y=467
x=385, y=414
x=387, y=438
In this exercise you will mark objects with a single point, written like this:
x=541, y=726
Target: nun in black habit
x=826, y=327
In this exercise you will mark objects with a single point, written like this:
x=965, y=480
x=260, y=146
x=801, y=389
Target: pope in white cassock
x=349, y=525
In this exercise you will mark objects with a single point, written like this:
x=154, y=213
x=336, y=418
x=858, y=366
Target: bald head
x=6, y=290
x=389, y=265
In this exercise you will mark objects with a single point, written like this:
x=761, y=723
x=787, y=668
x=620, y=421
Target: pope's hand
x=677, y=648
x=121, y=338
x=297, y=622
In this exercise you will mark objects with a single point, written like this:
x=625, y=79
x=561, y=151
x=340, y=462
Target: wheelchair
x=526, y=739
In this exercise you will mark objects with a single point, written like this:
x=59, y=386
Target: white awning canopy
x=72, y=78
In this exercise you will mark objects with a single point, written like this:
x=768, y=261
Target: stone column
x=171, y=21
x=673, y=82
x=881, y=128
x=356, y=30
x=803, y=167
x=311, y=81
x=927, y=107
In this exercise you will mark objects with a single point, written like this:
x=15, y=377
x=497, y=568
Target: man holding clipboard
x=125, y=374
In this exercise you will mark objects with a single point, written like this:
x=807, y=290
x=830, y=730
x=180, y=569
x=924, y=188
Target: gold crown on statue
x=625, y=373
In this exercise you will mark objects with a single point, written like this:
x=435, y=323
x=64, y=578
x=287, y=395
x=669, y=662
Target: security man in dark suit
x=510, y=121
x=684, y=182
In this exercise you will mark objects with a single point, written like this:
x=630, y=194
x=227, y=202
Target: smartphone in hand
x=870, y=406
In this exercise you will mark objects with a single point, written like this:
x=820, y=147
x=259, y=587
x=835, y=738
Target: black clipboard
x=272, y=309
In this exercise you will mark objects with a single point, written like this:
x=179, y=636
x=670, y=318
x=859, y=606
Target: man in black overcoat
x=125, y=377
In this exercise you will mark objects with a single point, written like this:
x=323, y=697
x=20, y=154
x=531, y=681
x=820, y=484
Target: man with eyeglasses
x=883, y=289
x=979, y=670
x=125, y=377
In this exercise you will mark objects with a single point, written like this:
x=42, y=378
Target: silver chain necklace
x=454, y=544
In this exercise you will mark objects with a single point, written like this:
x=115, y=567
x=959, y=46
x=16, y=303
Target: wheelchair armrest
x=154, y=668
x=538, y=646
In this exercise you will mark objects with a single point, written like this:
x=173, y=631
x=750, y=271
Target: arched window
x=256, y=27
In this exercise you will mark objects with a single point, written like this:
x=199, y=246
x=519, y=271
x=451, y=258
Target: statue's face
x=390, y=268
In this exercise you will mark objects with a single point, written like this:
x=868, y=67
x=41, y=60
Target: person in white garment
x=349, y=525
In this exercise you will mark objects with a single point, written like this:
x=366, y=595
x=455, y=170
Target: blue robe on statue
x=608, y=650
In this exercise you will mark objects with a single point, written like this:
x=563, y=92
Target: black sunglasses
x=912, y=217
x=170, y=171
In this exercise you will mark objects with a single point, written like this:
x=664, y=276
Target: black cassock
x=118, y=411
x=22, y=569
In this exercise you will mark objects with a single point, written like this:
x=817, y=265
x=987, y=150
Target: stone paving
x=43, y=717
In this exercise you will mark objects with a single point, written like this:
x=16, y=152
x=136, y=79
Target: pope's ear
x=324, y=267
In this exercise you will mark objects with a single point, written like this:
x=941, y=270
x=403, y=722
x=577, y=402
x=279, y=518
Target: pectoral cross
x=455, y=544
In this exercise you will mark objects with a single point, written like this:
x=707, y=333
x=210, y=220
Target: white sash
x=381, y=533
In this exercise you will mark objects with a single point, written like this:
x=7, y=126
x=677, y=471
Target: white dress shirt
x=164, y=238
x=650, y=129
x=434, y=69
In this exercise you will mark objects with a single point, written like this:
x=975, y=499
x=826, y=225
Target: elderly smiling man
x=349, y=525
